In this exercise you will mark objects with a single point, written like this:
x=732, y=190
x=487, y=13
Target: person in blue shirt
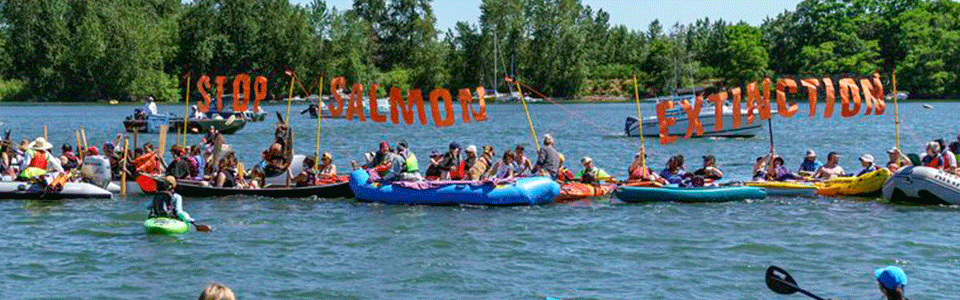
x=674, y=172
x=810, y=164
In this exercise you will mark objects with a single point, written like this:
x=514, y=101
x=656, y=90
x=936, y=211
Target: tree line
x=90, y=50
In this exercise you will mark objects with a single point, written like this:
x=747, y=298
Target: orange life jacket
x=147, y=164
x=39, y=160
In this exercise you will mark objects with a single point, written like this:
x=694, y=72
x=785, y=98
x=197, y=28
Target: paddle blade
x=147, y=184
x=779, y=281
x=202, y=227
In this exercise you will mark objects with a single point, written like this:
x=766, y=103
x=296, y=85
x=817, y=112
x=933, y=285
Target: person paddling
x=168, y=203
x=892, y=281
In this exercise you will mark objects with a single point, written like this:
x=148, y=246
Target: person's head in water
x=216, y=291
x=892, y=281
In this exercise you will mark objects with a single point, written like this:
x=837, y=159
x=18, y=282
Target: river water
x=342, y=249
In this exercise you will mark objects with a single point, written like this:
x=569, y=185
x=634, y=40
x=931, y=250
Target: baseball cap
x=867, y=158
x=810, y=153
x=891, y=277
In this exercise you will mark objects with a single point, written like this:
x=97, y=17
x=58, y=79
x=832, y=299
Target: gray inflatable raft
x=71, y=190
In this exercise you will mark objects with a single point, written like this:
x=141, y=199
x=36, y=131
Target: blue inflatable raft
x=523, y=191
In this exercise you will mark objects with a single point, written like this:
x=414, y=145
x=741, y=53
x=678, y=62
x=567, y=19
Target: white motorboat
x=651, y=127
x=32, y=191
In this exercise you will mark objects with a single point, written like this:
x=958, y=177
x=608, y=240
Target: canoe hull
x=524, y=191
x=786, y=189
x=71, y=190
x=692, y=195
x=869, y=185
x=330, y=191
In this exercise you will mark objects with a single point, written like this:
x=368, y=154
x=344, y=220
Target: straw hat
x=40, y=144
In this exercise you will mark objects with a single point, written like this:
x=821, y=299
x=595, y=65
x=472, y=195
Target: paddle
x=201, y=227
x=779, y=281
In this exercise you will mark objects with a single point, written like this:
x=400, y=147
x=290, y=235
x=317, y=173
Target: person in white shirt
x=949, y=158
x=150, y=108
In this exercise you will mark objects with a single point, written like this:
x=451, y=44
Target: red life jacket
x=936, y=163
x=39, y=160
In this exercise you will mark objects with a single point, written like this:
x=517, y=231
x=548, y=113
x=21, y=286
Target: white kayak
x=71, y=190
x=132, y=187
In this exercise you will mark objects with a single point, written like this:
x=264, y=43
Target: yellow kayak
x=863, y=185
x=786, y=188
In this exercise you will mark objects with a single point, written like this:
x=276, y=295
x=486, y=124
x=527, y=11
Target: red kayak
x=573, y=191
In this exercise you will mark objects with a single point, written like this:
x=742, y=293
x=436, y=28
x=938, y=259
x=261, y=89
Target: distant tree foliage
x=90, y=50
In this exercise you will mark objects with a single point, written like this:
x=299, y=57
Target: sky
x=636, y=14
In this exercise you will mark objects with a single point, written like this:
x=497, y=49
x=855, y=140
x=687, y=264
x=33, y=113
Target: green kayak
x=165, y=226
x=689, y=194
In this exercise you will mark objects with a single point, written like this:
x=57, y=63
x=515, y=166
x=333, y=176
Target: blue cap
x=891, y=277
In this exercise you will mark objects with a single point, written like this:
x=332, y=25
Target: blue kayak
x=689, y=194
x=523, y=191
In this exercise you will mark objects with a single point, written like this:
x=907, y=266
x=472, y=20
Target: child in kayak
x=674, y=173
x=169, y=204
x=868, y=166
x=892, y=280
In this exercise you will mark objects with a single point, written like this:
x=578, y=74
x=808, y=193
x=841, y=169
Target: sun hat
x=40, y=144
x=892, y=150
x=867, y=158
x=585, y=160
x=811, y=154
x=471, y=148
x=891, y=277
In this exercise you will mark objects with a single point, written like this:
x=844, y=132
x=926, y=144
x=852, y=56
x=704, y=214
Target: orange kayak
x=573, y=191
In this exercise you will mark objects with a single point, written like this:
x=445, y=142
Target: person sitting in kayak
x=505, y=168
x=327, y=170
x=760, y=169
x=591, y=174
x=892, y=280
x=933, y=158
x=68, y=160
x=179, y=168
x=709, y=170
x=168, y=203
x=780, y=172
x=810, y=164
x=216, y=291
x=674, y=172
x=450, y=165
x=830, y=170
x=897, y=160
x=379, y=157
x=640, y=173
x=548, y=159
x=38, y=161
x=481, y=165
x=226, y=173
x=524, y=165
x=866, y=161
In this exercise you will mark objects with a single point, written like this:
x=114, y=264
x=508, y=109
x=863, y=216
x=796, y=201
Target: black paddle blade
x=779, y=281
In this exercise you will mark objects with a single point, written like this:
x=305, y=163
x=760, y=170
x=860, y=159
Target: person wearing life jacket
x=451, y=166
x=410, y=168
x=591, y=174
x=38, y=161
x=96, y=168
x=810, y=164
x=433, y=170
x=68, y=160
x=674, y=172
x=168, y=203
x=482, y=164
x=892, y=280
x=327, y=170
x=866, y=161
x=226, y=176
x=179, y=168
x=146, y=161
x=949, y=158
x=640, y=173
x=897, y=160
x=933, y=158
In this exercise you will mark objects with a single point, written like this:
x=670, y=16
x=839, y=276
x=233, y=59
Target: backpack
x=163, y=205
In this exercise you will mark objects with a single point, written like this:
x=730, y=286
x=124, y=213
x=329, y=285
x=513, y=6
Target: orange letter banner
x=735, y=93
x=435, y=96
x=663, y=123
x=848, y=90
x=241, y=100
x=480, y=115
x=260, y=89
x=202, y=85
x=414, y=98
x=693, y=116
x=219, y=81
x=717, y=100
x=811, y=84
x=337, y=85
x=783, y=85
x=355, y=105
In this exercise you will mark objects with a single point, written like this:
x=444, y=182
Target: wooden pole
x=290, y=98
x=186, y=107
x=316, y=164
x=533, y=132
x=135, y=138
x=123, y=168
x=45, y=133
x=636, y=98
x=83, y=134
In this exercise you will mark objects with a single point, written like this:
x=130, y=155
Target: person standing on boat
x=892, y=280
x=523, y=163
x=150, y=108
x=810, y=164
x=591, y=174
x=168, y=203
x=451, y=166
x=548, y=159
x=709, y=170
x=38, y=161
x=830, y=170
x=866, y=161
